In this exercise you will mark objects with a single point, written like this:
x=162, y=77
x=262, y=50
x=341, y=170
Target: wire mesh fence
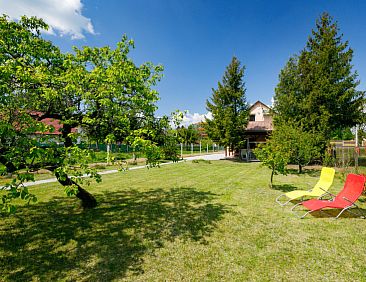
x=186, y=149
x=347, y=154
x=114, y=148
x=183, y=149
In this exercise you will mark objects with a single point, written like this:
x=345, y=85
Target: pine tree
x=229, y=108
x=318, y=87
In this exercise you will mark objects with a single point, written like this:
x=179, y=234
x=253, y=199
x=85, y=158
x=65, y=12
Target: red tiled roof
x=55, y=123
x=260, y=126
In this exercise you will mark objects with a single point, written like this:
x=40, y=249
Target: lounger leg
x=282, y=204
x=305, y=214
x=356, y=213
x=293, y=210
x=342, y=212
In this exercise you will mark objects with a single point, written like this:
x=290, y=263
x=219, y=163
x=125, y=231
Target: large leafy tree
x=98, y=89
x=188, y=134
x=317, y=88
x=229, y=108
x=25, y=59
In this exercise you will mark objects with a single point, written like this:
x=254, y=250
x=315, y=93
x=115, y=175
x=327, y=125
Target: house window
x=252, y=118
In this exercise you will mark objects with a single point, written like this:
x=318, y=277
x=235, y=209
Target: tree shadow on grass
x=362, y=200
x=239, y=160
x=284, y=187
x=332, y=213
x=306, y=171
x=55, y=240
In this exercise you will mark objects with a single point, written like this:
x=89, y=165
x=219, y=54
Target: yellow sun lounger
x=320, y=188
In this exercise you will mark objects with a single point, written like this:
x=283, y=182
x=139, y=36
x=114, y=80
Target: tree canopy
x=100, y=90
x=317, y=88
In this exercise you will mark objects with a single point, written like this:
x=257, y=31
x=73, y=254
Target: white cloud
x=195, y=118
x=64, y=17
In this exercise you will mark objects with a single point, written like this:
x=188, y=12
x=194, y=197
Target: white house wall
x=258, y=112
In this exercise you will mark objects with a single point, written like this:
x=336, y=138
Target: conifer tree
x=318, y=87
x=229, y=108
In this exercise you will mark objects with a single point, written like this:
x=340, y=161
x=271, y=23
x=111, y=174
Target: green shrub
x=201, y=161
x=170, y=150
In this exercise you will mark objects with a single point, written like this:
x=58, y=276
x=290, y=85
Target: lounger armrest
x=348, y=200
x=326, y=193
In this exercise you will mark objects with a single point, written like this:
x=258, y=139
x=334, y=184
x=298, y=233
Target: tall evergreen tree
x=229, y=108
x=318, y=87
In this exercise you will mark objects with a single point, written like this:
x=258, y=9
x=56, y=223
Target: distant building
x=260, y=124
x=259, y=128
x=56, y=129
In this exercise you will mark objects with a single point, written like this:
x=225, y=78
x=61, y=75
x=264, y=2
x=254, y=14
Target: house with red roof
x=56, y=126
x=259, y=128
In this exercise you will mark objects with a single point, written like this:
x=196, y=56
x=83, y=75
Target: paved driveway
x=210, y=157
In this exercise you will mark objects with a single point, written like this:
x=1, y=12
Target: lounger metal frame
x=347, y=208
x=278, y=201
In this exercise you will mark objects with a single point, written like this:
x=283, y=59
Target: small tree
x=166, y=138
x=288, y=144
x=302, y=146
x=273, y=156
x=170, y=149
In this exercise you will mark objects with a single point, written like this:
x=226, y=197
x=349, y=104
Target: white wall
x=258, y=112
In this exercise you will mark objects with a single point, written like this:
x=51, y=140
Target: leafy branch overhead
x=100, y=90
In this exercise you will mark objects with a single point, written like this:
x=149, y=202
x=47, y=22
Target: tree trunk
x=300, y=168
x=108, y=154
x=271, y=183
x=87, y=200
x=66, y=130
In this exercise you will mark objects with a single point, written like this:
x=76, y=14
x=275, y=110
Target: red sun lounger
x=352, y=190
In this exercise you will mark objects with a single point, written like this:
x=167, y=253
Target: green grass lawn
x=182, y=222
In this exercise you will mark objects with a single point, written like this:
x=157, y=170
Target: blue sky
x=196, y=39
